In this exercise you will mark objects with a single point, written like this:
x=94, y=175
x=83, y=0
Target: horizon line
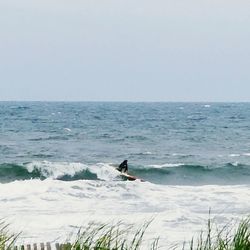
x=122, y=101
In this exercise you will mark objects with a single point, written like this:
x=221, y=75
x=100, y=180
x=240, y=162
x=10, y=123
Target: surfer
x=123, y=167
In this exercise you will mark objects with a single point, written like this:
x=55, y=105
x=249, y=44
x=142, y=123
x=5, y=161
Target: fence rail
x=44, y=246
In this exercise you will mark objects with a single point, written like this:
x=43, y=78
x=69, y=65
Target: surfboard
x=131, y=177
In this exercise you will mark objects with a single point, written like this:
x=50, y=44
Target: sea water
x=58, y=159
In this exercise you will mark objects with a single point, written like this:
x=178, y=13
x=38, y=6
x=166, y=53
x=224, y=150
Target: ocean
x=58, y=160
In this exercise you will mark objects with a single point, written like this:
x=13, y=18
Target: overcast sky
x=125, y=50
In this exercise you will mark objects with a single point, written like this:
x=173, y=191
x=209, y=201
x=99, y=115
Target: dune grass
x=116, y=237
x=126, y=237
x=226, y=238
x=7, y=239
x=111, y=237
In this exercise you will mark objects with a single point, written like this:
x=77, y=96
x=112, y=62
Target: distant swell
x=188, y=174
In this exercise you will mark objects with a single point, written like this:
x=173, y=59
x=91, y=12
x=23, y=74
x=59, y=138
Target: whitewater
x=58, y=167
x=53, y=210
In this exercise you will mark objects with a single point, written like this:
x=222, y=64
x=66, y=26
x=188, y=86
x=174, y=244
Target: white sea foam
x=178, y=154
x=49, y=210
x=55, y=170
x=67, y=129
x=238, y=155
x=207, y=106
x=104, y=171
x=236, y=164
x=147, y=153
x=167, y=165
x=234, y=155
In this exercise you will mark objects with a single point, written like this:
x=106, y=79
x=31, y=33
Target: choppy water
x=193, y=156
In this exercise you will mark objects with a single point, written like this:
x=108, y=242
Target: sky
x=125, y=50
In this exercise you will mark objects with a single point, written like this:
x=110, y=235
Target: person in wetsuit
x=123, y=167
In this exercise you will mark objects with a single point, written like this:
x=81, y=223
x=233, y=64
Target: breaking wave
x=59, y=171
x=168, y=174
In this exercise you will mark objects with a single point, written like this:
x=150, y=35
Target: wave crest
x=176, y=174
x=60, y=171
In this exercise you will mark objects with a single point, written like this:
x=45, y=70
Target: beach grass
x=111, y=237
x=226, y=238
x=7, y=239
x=118, y=237
x=121, y=236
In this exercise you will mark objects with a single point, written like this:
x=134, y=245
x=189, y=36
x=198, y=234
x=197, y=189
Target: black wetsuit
x=123, y=167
